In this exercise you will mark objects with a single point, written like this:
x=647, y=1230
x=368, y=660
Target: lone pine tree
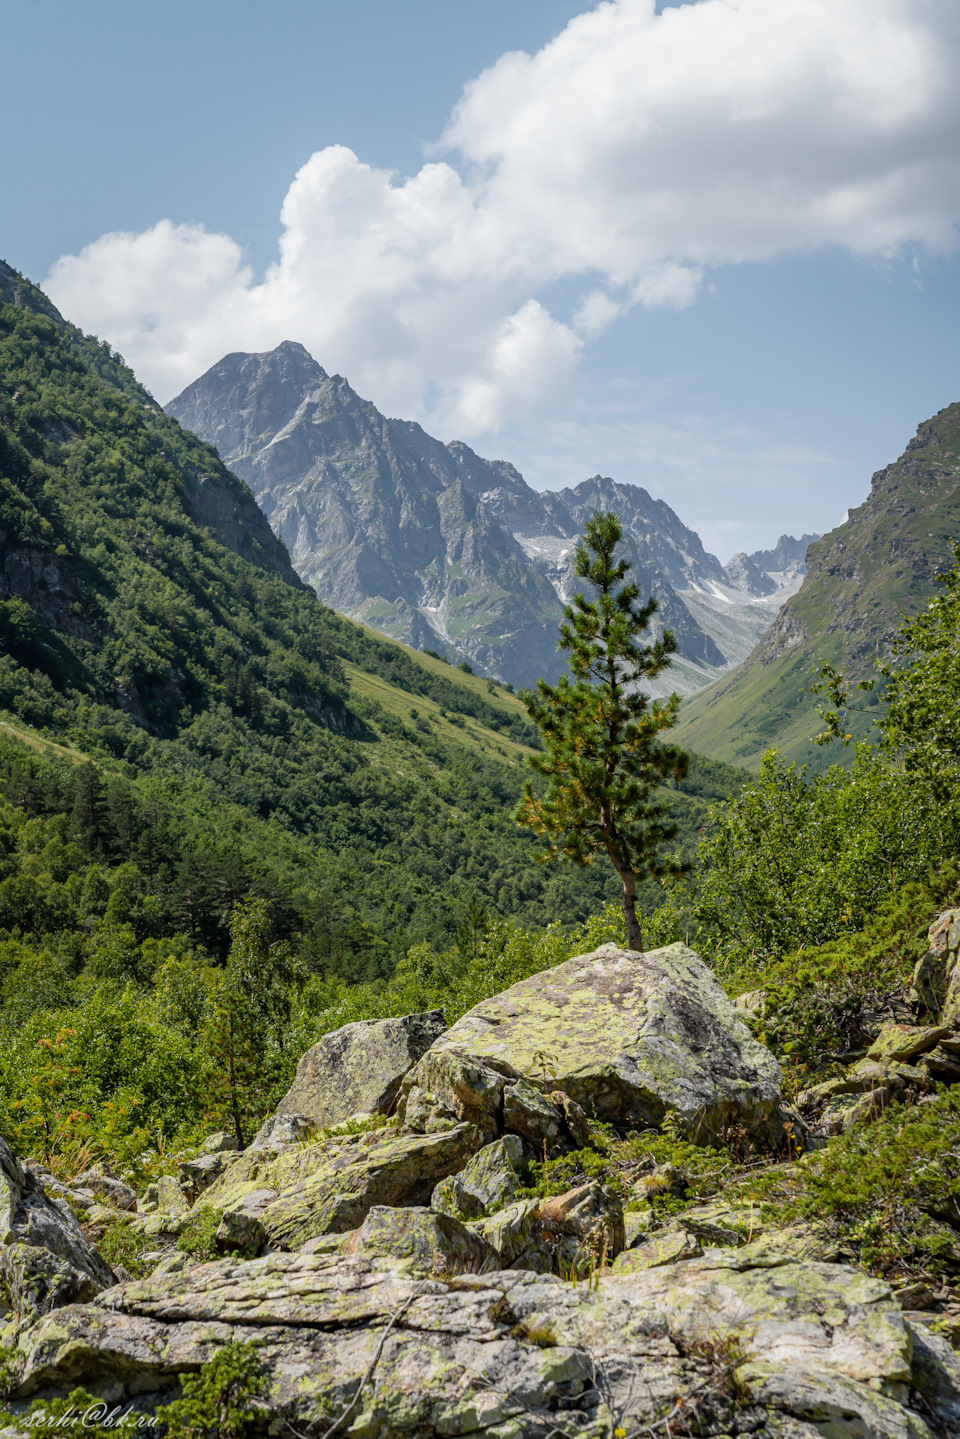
x=603, y=759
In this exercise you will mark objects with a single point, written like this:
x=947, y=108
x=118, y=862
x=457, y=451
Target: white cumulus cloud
x=626, y=158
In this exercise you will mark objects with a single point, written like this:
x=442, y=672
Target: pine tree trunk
x=634, y=932
x=234, y=1095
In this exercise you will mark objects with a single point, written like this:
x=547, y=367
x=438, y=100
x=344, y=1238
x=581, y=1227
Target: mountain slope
x=861, y=579
x=244, y=739
x=446, y=550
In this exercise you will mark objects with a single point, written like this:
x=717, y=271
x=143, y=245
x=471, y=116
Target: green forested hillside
x=861, y=579
x=185, y=729
x=148, y=616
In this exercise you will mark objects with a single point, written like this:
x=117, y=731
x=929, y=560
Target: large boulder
x=46, y=1261
x=628, y=1037
x=779, y=1350
x=331, y=1186
x=359, y=1068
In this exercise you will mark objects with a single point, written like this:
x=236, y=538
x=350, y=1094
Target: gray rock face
x=359, y=1068
x=330, y=1186
x=629, y=1037
x=489, y=1181
x=782, y=1351
x=573, y=1234
x=421, y=1241
x=437, y=546
x=45, y=1259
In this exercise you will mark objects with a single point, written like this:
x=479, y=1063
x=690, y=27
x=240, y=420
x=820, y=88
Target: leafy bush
x=889, y=1191
x=824, y=1002
x=198, y=1233
x=121, y=1244
x=796, y=861
x=696, y=1172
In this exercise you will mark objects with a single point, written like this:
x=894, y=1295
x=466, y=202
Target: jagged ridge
x=437, y=546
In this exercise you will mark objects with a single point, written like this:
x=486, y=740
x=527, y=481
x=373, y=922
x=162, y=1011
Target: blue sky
x=718, y=264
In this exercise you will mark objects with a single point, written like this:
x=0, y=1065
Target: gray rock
x=330, y=1186
x=489, y=1181
x=358, y=1067
x=935, y=1375
x=219, y=1142
x=114, y=1191
x=198, y=1174
x=281, y=1131
x=532, y=1115
x=824, y=1350
x=170, y=1196
x=577, y=1233
x=629, y=1037
x=46, y=1261
x=420, y=1241
x=241, y=1230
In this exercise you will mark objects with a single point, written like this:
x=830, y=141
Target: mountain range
x=436, y=546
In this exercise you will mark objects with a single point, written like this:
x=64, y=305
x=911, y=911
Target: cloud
x=628, y=157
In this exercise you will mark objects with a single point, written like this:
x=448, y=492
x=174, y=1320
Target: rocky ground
x=474, y=1230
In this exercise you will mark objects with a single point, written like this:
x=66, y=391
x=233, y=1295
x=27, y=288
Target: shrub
x=888, y=1191
x=226, y=1400
x=121, y=1244
x=794, y=862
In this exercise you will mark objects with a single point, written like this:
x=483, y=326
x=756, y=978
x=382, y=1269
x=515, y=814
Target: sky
x=709, y=247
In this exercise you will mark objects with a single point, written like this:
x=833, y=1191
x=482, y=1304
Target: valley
x=296, y=1024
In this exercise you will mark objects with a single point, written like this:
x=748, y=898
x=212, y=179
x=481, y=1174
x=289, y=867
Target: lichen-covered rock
x=198, y=1174
x=576, y=1233
x=359, y=1067
x=420, y=1241
x=863, y=1093
x=219, y=1142
x=489, y=1181
x=238, y=1230
x=903, y=1043
x=113, y=1191
x=941, y=1065
x=170, y=1196
x=823, y=1349
x=629, y=1037
x=329, y=1187
x=529, y=1113
x=46, y=1261
x=935, y=1376
x=282, y=1130
x=665, y=1247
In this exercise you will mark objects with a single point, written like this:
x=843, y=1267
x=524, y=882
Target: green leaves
x=795, y=861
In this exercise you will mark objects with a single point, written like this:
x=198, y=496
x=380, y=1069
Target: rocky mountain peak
x=15, y=290
x=436, y=545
